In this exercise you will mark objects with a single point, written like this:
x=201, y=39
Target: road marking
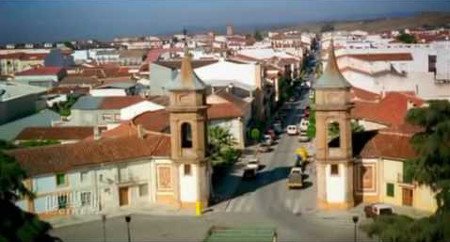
x=296, y=208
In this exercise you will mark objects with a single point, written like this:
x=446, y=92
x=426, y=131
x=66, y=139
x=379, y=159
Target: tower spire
x=332, y=77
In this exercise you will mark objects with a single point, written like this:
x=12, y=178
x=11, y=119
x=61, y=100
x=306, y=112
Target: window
x=123, y=174
x=334, y=135
x=143, y=190
x=100, y=177
x=187, y=170
x=61, y=180
x=85, y=198
x=108, y=117
x=84, y=176
x=390, y=189
x=186, y=135
x=62, y=201
x=334, y=170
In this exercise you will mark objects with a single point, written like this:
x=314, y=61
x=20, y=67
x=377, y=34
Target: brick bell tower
x=188, y=120
x=333, y=138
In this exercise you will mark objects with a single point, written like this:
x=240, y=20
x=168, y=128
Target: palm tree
x=221, y=145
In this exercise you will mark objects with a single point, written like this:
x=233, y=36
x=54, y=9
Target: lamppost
x=355, y=221
x=128, y=219
x=104, y=227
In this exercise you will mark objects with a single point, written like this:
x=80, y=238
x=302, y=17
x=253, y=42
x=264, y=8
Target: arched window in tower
x=186, y=135
x=334, y=133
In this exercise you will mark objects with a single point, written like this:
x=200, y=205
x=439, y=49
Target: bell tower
x=333, y=138
x=188, y=120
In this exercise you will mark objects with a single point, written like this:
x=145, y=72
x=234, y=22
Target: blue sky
x=52, y=20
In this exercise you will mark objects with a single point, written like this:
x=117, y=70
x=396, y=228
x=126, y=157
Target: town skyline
x=34, y=21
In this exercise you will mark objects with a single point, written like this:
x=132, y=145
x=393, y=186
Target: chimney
x=140, y=131
x=229, y=88
x=96, y=133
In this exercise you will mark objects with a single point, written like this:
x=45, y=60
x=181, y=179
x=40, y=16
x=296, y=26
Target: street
x=265, y=201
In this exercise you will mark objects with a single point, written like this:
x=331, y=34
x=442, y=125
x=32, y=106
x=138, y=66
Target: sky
x=59, y=20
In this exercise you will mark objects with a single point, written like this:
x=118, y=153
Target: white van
x=304, y=125
x=292, y=130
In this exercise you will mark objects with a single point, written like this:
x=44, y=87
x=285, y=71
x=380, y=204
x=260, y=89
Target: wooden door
x=407, y=196
x=123, y=196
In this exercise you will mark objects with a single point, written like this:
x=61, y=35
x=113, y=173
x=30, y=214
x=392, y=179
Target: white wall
x=188, y=184
x=138, y=108
x=108, y=92
x=335, y=185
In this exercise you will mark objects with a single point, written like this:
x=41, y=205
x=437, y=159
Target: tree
x=221, y=146
x=432, y=166
x=15, y=224
x=69, y=44
x=255, y=134
x=258, y=36
x=327, y=28
x=407, y=38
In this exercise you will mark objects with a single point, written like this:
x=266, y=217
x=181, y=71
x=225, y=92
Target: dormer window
x=186, y=135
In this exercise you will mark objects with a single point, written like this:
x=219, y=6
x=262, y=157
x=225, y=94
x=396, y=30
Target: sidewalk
x=151, y=209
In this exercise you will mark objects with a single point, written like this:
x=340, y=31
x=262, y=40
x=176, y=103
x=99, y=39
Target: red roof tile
x=24, y=56
x=157, y=121
x=42, y=71
x=120, y=102
x=382, y=56
x=224, y=111
x=63, y=158
x=391, y=110
x=388, y=145
x=358, y=94
x=55, y=133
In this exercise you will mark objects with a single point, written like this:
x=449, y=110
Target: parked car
x=272, y=133
x=268, y=140
x=292, y=130
x=251, y=168
x=304, y=125
x=376, y=209
x=278, y=127
x=295, y=179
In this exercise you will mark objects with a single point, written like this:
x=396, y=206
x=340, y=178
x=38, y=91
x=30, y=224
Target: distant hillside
x=426, y=19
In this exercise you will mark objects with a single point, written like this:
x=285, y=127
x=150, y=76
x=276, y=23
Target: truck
x=295, y=179
x=251, y=169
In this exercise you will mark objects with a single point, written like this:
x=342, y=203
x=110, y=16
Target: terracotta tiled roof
x=385, y=145
x=55, y=133
x=42, y=71
x=157, y=121
x=63, y=158
x=224, y=111
x=25, y=56
x=120, y=102
x=124, y=129
x=76, y=80
x=69, y=90
x=176, y=64
x=358, y=94
x=231, y=98
x=382, y=56
x=390, y=110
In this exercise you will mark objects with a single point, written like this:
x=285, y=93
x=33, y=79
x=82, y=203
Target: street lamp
x=355, y=221
x=104, y=227
x=128, y=219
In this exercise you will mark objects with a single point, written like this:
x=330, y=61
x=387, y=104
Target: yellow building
x=17, y=62
x=360, y=167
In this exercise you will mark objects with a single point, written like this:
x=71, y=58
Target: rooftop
x=41, y=71
x=331, y=77
x=63, y=158
x=55, y=133
x=13, y=90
